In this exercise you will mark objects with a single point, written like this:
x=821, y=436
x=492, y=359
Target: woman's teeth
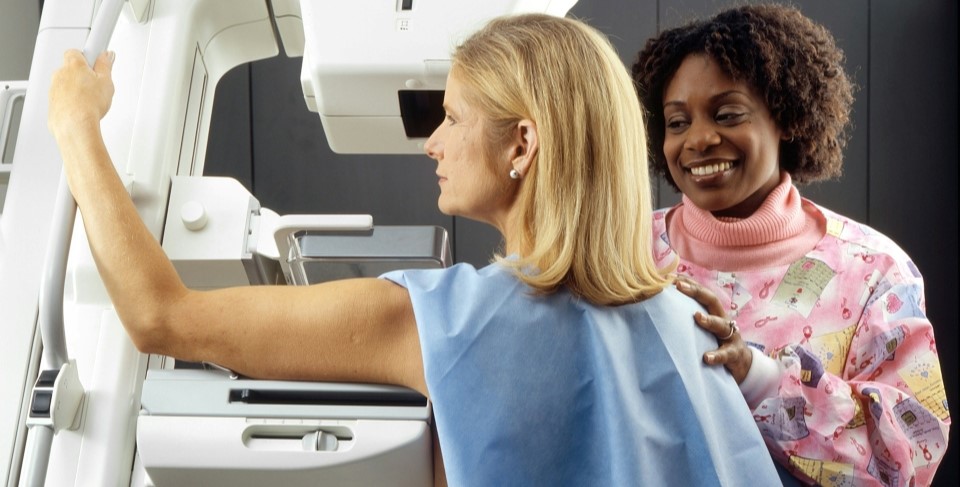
x=711, y=169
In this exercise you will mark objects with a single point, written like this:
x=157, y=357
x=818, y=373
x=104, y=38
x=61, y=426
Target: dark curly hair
x=790, y=60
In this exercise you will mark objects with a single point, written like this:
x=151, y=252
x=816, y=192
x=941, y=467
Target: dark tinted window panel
x=421, y=111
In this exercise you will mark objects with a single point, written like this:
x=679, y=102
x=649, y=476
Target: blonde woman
x=570, y=360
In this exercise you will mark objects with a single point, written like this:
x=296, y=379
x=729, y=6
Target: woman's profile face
x=721, y=143
x=470, y=185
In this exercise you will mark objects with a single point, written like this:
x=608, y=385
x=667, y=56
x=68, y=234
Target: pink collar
x=783, y=229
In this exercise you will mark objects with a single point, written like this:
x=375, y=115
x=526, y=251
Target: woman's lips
x=711, y=169
x=709, y=173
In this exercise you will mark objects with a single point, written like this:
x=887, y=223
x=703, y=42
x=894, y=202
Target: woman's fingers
x=104, y=64
x=734, y=355
x=702, y=295
x=79, y=94
x=733, y=352
x=724, y=328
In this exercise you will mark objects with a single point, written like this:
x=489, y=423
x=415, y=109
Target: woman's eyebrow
x=713, y=98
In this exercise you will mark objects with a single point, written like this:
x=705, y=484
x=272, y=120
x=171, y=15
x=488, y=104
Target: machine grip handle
x=64, y=216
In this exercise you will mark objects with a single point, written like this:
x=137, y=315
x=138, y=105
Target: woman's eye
x=676, y=124
x=730, y=117
x=450, y=119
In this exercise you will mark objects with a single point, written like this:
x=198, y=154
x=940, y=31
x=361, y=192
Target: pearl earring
x=514, y=174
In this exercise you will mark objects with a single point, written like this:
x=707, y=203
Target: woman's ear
x=524, y=146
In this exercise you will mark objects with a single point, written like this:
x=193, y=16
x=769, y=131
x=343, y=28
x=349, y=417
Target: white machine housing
x=365, y=61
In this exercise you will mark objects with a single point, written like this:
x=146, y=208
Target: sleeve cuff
x=763, y=379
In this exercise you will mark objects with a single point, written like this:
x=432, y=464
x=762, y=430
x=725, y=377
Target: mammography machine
x=79, y=405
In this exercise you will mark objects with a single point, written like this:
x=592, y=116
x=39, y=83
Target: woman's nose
x=702, y=136
x=433, y=146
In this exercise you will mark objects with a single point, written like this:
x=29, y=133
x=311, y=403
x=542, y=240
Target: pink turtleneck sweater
x=781, y=231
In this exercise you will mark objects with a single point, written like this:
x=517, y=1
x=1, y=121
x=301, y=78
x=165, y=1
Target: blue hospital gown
x=552, y=390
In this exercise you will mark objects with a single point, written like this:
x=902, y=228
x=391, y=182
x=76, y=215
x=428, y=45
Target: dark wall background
x=900, y=173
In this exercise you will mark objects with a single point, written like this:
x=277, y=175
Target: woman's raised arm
x=358, y=330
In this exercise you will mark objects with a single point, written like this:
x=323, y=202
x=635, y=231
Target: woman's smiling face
x=721, y=143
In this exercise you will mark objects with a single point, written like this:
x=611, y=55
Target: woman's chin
x=446, y=208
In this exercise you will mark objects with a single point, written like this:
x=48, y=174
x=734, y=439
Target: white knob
x=194, y=216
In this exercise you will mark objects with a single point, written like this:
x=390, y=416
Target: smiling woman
x=821, y=319
x=721, y=143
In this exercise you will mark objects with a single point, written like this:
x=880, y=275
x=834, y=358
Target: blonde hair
x=584, y=207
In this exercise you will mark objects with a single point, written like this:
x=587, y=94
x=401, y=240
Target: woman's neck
x=510, y=230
